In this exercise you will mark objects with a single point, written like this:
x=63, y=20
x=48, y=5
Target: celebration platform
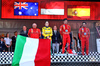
x=93, y=59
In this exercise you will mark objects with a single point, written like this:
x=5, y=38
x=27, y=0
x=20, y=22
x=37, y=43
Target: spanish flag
x=78, y=11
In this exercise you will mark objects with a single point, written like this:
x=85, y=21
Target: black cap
x=84, y=22
x=64, y=19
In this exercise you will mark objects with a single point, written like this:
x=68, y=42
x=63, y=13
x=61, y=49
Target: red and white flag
x=52, y=8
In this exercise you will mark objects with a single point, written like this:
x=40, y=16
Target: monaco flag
x=52, y=8
x=31, y=52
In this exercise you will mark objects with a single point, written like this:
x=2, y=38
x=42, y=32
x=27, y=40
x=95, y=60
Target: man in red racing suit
x=34, y=32
x=65, y=29
x=84, y=35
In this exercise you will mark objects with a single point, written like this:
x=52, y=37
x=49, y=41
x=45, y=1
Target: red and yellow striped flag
x=78, y=11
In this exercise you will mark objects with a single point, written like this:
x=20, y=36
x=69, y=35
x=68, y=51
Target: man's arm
x=69, y=29
x=51, y=32
x=60, y=38
x=60, y=29
x=39, y=32
x=29, y=33
x=79, y=33
x=43, y=32
x=3, y=47
x=89, y=32
x=5, y=43
x=10, y=43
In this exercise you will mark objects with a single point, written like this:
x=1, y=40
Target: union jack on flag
x=20, y=5
x=26, y=8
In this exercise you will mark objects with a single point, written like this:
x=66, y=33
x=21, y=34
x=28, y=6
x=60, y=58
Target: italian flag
x=31, y=52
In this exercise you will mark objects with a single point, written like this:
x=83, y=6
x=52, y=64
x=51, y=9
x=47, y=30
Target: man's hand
x=60, y=43
x=8, y=46
x=71, y=42
x=47, y=37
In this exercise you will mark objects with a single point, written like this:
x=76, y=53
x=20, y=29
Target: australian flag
x=26, y=8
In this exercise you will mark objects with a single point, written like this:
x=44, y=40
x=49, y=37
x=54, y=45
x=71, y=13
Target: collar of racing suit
x=84, y=27
x=46, y=26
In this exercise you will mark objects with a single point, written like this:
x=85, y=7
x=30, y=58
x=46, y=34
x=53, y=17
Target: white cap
x=46, y=22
